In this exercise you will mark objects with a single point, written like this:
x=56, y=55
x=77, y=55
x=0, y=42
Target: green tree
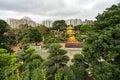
x=66, y=73
x=31, y=67
x=9, y=65
x=63, y=37
x=56, y=60
x=59, y=25
x=77, y=28
x=43, y=30
x=33, y=35
x=79, y=67
x=102, y=46
x=51, y=38
x=11, y=38
x=21, y=31
x=83, y=29
x=4, y=40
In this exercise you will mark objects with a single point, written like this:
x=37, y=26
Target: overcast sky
x=40, y=10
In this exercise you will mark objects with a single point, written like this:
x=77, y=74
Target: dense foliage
x=30, y=68
x=83, y=29
x=28, y=34
x=102, y=46
x=8, y=65
x=79, y=67
x=21, y=31
x=5, y=38
x=33, y=36
x=56, y=63
x=59, y=25
x=100, y=58
x=44, y=31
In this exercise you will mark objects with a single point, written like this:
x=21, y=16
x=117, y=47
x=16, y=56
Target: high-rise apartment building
x=74, y=22
x=88, y=21
x=14, y=23
x=47, y=23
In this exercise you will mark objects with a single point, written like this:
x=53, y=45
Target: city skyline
x=14, y=23
x=40, y=10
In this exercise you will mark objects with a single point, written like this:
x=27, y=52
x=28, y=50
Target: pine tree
x=56, y=60
x=102, y=46
x=79, y=67
x=4, y=41
x=31, y=67
x=9, y=64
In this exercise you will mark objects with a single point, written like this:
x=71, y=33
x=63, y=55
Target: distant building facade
x=74, y=22
x=47, y=23
x=88, y=21
x=14, y=23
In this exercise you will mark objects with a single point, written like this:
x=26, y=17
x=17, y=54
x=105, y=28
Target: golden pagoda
x=72, y=42
x=71, y=32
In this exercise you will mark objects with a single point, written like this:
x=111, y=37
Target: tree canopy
x=33, y=35
x=4, y=40
x=56, y=62
x=79, y=67
x=43, y=29
x=102, y=46
x=59, y=25
x=8, y=65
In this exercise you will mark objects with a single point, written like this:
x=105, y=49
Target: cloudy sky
x=40, y=10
